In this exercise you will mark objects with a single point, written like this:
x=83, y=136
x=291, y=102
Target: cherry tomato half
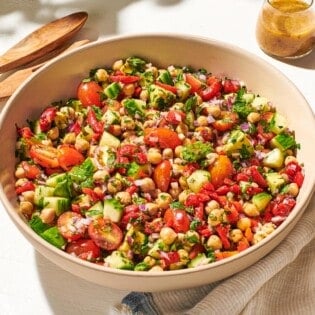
x=71, y=226
x=105, y=234
x=89, y=93
x=85, y=249
x=162, y=137
x=162, y=175
x=221, y=169
x=177, y=219
x=68, y=157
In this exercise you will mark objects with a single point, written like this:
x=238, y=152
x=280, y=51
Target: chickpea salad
x=157, y=169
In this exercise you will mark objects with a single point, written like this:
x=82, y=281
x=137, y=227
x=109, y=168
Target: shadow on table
x=68, y=294
x=307, y=62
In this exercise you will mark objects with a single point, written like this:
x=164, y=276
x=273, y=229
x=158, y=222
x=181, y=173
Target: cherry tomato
x=25, y=132
x=105, y=234
x=162, y=136
x=27, y=186
x=194, y=83
x=221, y=169
x=162, y=175
x=167, y=87
x=231, y=86
x=226, y=121
x=45, y=156
x=85, y=249
x=169, y=258
x=124, y=78
x=89, y=93
x=212, y=90
x=70, y=225
x=68, y=157
x=175, y=117
x=30, y=171
x=177, y=219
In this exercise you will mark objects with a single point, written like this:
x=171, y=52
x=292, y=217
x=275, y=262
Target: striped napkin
x=283, y=282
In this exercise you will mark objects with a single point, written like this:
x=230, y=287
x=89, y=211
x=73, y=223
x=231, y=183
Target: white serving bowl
x=59, y=80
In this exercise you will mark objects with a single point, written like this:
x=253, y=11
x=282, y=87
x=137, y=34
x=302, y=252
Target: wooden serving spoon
x=12, y=82
x=42, y=41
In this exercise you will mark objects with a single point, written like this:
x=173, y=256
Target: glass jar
x=286, y=28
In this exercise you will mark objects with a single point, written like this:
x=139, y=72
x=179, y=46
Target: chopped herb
x=196, y=151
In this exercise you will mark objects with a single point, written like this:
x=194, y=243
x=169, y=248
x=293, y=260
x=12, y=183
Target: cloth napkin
x=283, y=282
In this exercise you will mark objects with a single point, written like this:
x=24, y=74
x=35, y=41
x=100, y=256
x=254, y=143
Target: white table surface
x=29, y=283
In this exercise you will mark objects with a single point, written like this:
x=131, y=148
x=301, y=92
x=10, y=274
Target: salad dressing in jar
x=286, y=28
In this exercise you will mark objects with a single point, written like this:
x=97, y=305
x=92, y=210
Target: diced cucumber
x=112, y=209
x=261, y=200
x=200, y=260
x=248, y=97
x=119, y=260
x=135, y=107
x=111, y=117
x=278, y=123
x=260, y=103
x=160, y=98
x=59, y=204
x=275, y=182
x=283, y=141
x=53, y=236
x=37, y=224
x=96, y=211
x=107, y=139
x=54, y=179
x=274, y=158
x=42, y=191
x=183, y=90
x=112, y=90
x=197, y=179
x=142, y=266
x=238, y=142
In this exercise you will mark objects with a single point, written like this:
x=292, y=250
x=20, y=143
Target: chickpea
x=167, y=154
x=236, y=235
x=214, y=242
x=154, y=156
x=212, y=204
x=168, y=235
x=181, y=136
x=293, y=189
x=178, y=151
x=20, y=172
x=127, y=123
x=117, y=64
x=192, y=237
x=183, y=183
x=151, y=208
x=202, y=121
x=253, y=117
x=53, y=133
x=128, y=89
x=114, y=185
x=28, y=196
x=101, y=75
x=124, y=197
x=216, y=216
x=213, y=110
x=115, y=130
x=244, y=223
x=47, y=215
x=69, y=138
x=211, y=157
x=163, y=200
x=81, y=144
x=156, y=268
x=184, y=195
x=250, y=209
x=26, y=208
x=21, y=182
x=147, y=184
x=144, y=95
x=183, y=255
x=182, y=128
x=101, y=176
x=150, y=261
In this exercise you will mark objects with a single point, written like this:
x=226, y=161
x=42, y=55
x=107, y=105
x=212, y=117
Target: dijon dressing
x=286, y=28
